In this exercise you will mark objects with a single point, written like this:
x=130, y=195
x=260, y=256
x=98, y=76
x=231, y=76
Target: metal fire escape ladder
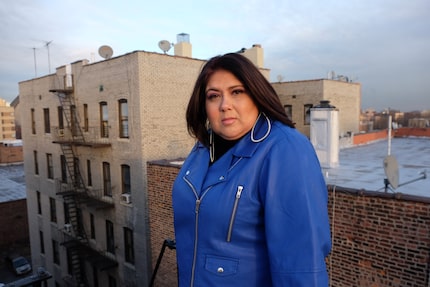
x=76, y=192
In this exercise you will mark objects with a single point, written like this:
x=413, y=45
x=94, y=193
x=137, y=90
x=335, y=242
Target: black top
x=221, y=146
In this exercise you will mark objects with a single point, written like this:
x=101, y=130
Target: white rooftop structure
x=12, y=183
x=361, y=167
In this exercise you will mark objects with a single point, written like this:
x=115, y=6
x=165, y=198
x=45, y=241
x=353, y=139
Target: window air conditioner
x=126, y=198
x=61, y=132
x=68, y=228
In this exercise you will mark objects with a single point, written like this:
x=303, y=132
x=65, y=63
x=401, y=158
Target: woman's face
x=230, y=109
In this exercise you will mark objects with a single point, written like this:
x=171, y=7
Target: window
x=60, y=118
x=86, y=127
x=307, y=114
x=53, y=209
x=107, y=188
x=73, y=120
x=80, y=221
x=95, y=277
x=112, y=281
x=46, y=121
x=89, y=175
x=49, y=165
x=128, y=245
x=33, y=122
x=66, y=213
x=63, y=168
x=289, y=111
x=56, y=252
x=36, y=163
x=110, y=240
x=76, y=171
x=42, y=242
x=69, y=255
x=123, y=118
x=125, y=176
x=39, y=204
x=104, y=124
x=92, y=227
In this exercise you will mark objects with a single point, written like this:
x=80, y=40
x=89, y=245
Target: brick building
x=11, y=151
x=7, y=121
x=300, y=96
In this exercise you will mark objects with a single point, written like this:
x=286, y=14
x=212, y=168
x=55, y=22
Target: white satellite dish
x=391, y=169
x=105, y=52
x=164, y=45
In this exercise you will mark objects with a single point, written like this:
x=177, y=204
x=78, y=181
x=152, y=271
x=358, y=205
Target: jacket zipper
x=233, y=213
x=196, y=227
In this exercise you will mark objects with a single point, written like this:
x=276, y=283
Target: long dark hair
x=257, y=86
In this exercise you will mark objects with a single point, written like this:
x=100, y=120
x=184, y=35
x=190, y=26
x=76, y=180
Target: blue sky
x=383, y=44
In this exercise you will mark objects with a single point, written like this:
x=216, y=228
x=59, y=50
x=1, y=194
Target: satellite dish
x=391, y=169
x=105, y=52
x=164, y=45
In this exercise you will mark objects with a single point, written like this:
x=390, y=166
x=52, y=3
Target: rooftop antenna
x=35, y=65
x=105, y=52
x=47, y=43
x=164, y=45
x=391, y=167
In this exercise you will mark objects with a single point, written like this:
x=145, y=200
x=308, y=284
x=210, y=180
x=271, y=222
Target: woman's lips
x=228, y=121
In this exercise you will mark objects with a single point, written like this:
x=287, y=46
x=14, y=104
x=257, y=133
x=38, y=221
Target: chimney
x=324, y=134
x=255, y=54
x=183, y=46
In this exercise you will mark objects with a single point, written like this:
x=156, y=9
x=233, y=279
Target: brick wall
x=13, y=224
x=160, y=180
x=364, y=138
x=407, y=132
x=379, y=239
x=11, y=154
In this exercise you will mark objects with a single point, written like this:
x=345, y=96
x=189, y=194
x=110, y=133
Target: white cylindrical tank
x=324, y=133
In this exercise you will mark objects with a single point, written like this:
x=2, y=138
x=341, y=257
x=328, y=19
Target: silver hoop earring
x=269, y=128
x=211, y=146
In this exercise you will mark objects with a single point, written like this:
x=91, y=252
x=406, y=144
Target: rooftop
x=361, y=167
x=12, y=180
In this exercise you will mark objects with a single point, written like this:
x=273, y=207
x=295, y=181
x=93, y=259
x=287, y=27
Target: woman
x=250, y=202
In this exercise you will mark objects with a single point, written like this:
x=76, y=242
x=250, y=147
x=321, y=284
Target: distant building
x=300, y=96
x=17, y=113
x=14, y=233
x=11, y=151
x=7, y=121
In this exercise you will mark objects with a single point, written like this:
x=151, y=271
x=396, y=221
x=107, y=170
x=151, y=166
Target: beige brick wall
x=346, y=97
x=157, y=88
x=7, y=123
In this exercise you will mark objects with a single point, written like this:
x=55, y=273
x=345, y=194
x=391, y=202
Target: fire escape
x=75, y=193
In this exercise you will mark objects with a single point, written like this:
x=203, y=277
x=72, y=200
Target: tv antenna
x=105, y=52
x=47, y=43
x=35, y=64
x=164, y=45
x=391, y=167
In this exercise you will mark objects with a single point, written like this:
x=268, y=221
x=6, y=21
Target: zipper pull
x=239, y=191
x=197, y=205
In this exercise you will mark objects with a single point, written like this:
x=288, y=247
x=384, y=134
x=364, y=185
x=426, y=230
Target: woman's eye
x=238, y=91
x=211, y=96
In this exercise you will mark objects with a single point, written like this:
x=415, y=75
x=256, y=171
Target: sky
x=382, y=44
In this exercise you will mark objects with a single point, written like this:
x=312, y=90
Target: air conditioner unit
x=126, y=198
x=61, y=132
x=68, y=228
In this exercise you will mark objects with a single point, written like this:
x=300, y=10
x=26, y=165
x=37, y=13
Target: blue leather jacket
x=256, y=217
